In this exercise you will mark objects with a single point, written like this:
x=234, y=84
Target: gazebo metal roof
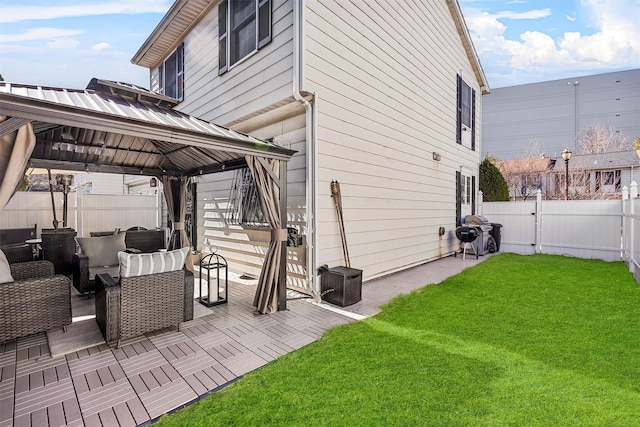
x=116, y=127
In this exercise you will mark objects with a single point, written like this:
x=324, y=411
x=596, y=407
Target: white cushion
x=132, y=265
x=5, y=270
x=102, y=251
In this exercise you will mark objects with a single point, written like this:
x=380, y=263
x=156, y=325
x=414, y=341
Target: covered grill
x=485, y=242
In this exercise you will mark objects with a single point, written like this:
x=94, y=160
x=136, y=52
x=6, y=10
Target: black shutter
x=222, y=36
x=264, y=22
x=180, y=72
x=473, y=120
x=459, y=109
x=473, y=195
x=458, y=198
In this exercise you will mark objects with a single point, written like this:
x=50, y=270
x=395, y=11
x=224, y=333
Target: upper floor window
x=171, y=74
x=466, y=114
x=244, y=26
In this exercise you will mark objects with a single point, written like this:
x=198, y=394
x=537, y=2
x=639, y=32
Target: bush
x=492, y=183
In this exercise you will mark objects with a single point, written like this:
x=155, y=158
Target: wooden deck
x=169, y=369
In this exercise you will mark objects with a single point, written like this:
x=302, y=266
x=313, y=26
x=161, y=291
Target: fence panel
x=28, y=208
x=582, y=228
x=518, y=219
x=104, y=212
x=86, y=212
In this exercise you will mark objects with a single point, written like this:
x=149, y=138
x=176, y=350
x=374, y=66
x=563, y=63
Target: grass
x=516, y=340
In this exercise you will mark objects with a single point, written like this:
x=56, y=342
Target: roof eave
x=463, y=31
x=149, y=55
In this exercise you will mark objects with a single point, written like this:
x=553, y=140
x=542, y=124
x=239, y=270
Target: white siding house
x=383, y=97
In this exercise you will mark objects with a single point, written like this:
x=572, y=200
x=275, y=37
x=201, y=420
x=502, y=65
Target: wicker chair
x=136, y=305
x=145, y=241
x=38, y=300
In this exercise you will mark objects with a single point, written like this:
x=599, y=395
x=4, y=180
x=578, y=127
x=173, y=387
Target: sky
x=64, y=43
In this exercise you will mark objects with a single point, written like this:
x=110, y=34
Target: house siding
x=244, y=247
x=377, y=132
x=260, y=80
x=383, y=74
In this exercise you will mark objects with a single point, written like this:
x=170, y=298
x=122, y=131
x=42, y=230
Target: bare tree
x=597, y=139
x=525, y=176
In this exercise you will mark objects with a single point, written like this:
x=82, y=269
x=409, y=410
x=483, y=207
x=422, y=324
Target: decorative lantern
x=214, y=266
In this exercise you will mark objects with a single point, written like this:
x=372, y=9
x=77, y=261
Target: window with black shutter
x=244, y=26
x=171, y=74
x=465, y=114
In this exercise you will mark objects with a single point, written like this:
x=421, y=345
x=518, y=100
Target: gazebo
x=114, y=127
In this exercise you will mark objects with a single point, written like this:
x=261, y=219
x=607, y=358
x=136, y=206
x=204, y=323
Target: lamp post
x=566, y=155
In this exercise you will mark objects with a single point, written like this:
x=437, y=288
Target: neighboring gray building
x=555, y=112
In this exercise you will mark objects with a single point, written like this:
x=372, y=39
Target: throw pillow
x=132, y=265
x=102, y=251
x=5, y=270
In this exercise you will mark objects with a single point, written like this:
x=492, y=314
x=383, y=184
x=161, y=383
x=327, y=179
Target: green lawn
x=516, y=340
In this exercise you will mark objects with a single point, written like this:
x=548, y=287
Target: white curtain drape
x=266, y=298
x=175, y=194
x=15, y=150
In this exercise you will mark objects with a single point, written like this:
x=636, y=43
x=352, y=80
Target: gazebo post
x=282, y=277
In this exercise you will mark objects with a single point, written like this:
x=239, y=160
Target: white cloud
x=66, y=10
x=530, y=14
x=99, y=47
x=64, y=43
x=43, y=33
x=613, y=44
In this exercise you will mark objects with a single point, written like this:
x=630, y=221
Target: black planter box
x=341, y=286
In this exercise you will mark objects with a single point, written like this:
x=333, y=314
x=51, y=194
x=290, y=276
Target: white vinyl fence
x=631, y=227
x=85, y=212
x=600, y=229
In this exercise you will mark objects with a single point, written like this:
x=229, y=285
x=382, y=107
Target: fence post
x=625, y=224
x=480, y=202
x=633, y=193
x=80, y=213
x=538, y=222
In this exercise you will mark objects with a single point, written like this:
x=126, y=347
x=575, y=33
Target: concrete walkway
x=380, y=291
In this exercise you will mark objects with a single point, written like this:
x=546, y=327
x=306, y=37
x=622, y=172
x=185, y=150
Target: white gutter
x=311, y=148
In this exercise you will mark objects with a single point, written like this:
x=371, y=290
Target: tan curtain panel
x=15, y=150
x=266, y=298
x=175, y=194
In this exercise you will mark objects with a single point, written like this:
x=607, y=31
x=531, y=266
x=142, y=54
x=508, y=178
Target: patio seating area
x=167, y=369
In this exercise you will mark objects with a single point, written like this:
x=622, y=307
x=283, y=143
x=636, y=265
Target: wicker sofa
x=133, y=306
x=36, y=301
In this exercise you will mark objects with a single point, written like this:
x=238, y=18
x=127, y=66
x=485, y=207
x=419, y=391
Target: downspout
x=311, y=148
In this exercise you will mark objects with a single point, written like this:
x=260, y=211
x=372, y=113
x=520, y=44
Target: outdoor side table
x=35, y=247
x=216, y=265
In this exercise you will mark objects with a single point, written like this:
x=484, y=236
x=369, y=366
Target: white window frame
x=467, y=188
